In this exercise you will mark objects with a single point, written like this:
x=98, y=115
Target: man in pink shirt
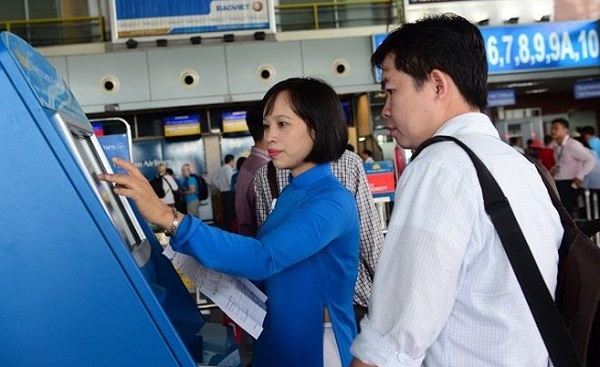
x=573, y=163
x=245, y=207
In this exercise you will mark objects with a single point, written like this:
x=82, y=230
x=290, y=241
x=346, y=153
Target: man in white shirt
x=222, y=181
x=169, y=184
x=445, y=294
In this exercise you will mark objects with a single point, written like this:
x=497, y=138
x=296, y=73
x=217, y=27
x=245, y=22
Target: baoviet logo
x=256, y=6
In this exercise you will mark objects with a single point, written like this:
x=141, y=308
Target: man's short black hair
x=315, y=102
x=228, y=158
x=254, y=120
x=589, y=130
x=562, y=121
x=447, y=42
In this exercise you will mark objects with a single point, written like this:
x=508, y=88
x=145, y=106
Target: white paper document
x=241, y=300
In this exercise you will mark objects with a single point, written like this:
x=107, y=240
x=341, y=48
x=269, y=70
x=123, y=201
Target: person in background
x=190, y=189
x=245, y=198
x=573, y=163
x=349, y=169
x=589, y=134
x=534, y=146
x=307, y=260
x=350, y=147
x=546, y=154
x=445, y=294
x=516, y=142
x=169, y=184
x=367, y=156
x=238, y=166
x=222, y=181
x=592, y=179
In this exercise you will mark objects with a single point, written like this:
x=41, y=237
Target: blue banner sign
x=542, y=46
x=168, y=18
x=587, y=89
x=539, y=46
x=501, y=97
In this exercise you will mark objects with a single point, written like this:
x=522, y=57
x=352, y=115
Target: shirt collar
x=564, y=141
x=261, y=152
x=307, y=178
x=468, y=123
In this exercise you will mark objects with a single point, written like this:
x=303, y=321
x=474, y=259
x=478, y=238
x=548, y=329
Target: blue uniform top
x=306, y=253
x=191, y=181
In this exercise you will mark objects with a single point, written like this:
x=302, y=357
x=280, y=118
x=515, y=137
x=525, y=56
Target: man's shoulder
x=348, y=162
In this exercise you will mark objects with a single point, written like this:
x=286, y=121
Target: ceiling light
x=536, y=91
x=521, y=84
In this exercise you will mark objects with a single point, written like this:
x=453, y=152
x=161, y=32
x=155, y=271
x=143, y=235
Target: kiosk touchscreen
x=82, y=279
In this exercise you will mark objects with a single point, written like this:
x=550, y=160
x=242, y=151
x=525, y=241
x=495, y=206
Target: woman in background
x=307, y=250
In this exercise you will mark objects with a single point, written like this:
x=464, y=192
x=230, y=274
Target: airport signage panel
x=535, y=47
x=381, y=179
x=501, y=97
x=585, y=90
x=542, y=46
x=155, y=19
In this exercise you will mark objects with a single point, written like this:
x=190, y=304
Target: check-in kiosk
x=82, y=278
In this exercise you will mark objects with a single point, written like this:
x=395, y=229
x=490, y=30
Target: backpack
x=570, y=326
x=157, y=186
x=202, y=189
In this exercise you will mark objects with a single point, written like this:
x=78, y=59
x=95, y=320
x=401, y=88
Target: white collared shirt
x=445, y=293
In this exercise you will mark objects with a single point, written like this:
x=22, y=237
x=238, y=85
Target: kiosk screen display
x=92, y=160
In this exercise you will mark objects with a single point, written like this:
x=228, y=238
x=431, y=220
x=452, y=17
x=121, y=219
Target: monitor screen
x=234, y=122
x=175, y=126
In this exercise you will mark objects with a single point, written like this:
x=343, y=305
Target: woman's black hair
x=315, y=102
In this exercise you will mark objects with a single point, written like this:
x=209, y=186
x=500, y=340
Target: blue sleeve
x=305, y=232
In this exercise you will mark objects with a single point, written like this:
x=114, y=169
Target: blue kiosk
x=82, y=278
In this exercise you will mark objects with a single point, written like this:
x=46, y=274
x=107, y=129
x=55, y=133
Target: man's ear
x=440, y=81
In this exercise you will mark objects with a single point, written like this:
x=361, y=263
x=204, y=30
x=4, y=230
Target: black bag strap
x=272, y=177
x=168, y=184
x=544, y=310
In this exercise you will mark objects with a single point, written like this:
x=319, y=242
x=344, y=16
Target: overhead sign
x=542, y=46
x=501, y=97
x=179, y=18
x=181, y=125
x=539, y=46
x=589, y=89
x=381, y=178
x=234, y=122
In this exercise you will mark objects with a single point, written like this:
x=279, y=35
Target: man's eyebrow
x=383, y=82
